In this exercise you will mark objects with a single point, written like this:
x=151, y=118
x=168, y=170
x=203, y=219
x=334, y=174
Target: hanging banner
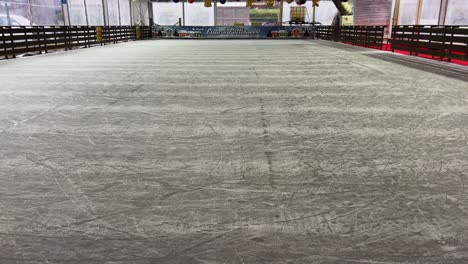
x=233, y=32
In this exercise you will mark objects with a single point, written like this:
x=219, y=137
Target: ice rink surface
x=231, y=151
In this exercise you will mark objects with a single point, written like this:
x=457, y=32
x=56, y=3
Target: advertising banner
x=233, y=32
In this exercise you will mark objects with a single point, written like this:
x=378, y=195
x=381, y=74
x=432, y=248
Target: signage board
x=233, y=32
x=347, y=20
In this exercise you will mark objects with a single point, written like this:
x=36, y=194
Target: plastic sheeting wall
x=372, y=12
x=140, y=12
x=430, y=12
x=408, y=12
x=457, y=12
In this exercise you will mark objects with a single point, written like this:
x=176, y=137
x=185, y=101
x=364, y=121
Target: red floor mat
x=388, y=47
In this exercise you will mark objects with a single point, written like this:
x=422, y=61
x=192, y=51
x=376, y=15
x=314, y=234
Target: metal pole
x=281, y=14
x=131, y=13
x=118, y=8
x=313, y=14
x=418, y=12
x=183, y=12
x=105, y=13
x=442, y=12
x=392, y=17
x=30, y=13
x=8, y=14
x=68, y=15
x=63, y=15
x=150, y=13
x=215, y=8
x=86, y=12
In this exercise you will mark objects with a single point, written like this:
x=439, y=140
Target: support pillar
x=313, y=14
x=150, y=13
x=105, y=13
x=7, y=13
x=183, y=13
x=215, y=9
x=86, y=12
x=393, y=16
x=442, y=12
x=281, y=13
x=418, y=12
x=30, y=13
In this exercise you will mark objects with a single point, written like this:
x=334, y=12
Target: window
x=47, y=12
x=77, y=12
x=3, y=14
x=95, y=12
x=233, y=13
x=371, y=12
x=18, y=11
x=197, y=14
x=113, y=12
x=167, y=13
x=260, y=14
x=124, y=12
x=408, y=11
x=3, y=19
x=430, y=12
x=457, y=12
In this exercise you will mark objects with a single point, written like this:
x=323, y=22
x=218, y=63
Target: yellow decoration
x=248, y=3
x=316, y=2
x=99, y=34
x=289, y=1
x=207, y=3
x=270, y=3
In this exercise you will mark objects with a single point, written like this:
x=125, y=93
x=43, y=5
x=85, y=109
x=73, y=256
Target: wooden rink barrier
x=444, y=42
x=42, y=39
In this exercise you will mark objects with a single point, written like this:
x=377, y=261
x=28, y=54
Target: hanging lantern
x=289, y=1
x=248, y=3
x=207, y=3
x=300, y=2
x=222, y=2
x=175, y=1
x=190, y=1
x=270, y=3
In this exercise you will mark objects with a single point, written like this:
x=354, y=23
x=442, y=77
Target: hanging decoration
x=289, y=1
x=175, y=1
x=222, y=2
x=248, y=3
x=270, y=3
x=191, y=1
x=300, y=2
x=207, y=3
